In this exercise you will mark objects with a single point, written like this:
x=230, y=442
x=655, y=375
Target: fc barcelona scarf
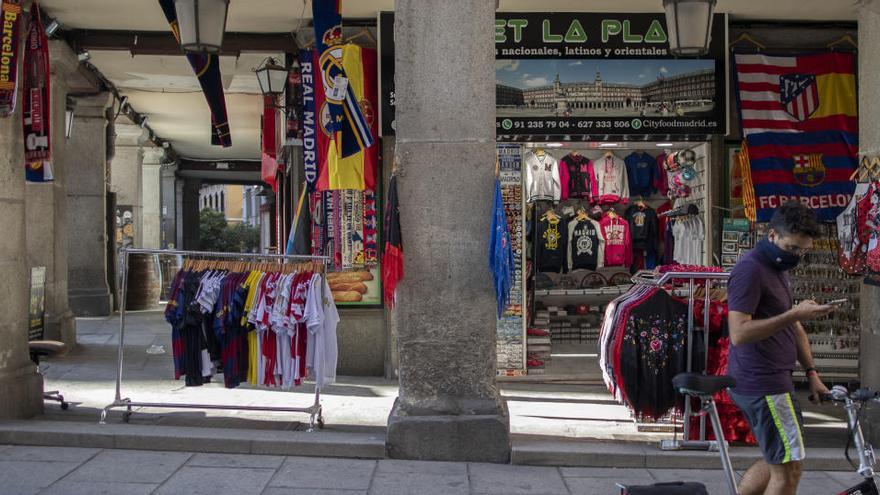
x=207, y=69
x=35, y=113
x=350, y=129
x=11, y=32
x=799, y=117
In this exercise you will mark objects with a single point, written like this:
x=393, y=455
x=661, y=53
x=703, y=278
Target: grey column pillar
x=126, y=172
x=869, y=144
x=151, y=196
x=169, y=206
x=86, y=200
x=20, y=385
x=449, y=407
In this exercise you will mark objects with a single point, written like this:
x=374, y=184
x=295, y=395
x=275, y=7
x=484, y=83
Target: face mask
x=783, y=260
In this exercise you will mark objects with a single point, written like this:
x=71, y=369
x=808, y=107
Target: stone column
x=169, y=206
x=449, y=407
x=126, y=172
x=20, y=385
x=151, y=196
x=46, y=203
x=86, y=200
x=869, y=145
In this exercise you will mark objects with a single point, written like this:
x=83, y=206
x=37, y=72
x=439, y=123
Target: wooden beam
x=163, y=43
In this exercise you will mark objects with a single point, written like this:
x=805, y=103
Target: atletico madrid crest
x=809, y=170
x=799, y=94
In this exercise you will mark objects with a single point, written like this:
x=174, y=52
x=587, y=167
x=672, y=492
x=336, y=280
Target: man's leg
x=756, y=479
x=784, y=479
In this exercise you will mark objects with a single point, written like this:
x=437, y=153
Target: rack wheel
x=321, y=423
x=65, y=406
x=126, y=417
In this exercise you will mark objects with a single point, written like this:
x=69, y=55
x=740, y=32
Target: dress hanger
x=540, y=152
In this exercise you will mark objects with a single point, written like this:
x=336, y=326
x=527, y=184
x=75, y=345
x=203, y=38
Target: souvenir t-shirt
x=758, y=289
x=551, y=250
x=586, y=246
x=321, y=319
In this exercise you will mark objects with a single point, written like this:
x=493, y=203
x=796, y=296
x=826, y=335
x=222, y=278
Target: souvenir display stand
x=314, y=410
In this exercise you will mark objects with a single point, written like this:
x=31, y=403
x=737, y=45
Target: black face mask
x=781, y=259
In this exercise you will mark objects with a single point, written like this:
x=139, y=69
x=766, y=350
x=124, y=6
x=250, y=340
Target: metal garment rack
x=314, y=411
x=658, y=280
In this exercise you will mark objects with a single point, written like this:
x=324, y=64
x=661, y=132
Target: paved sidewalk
x=72, y=471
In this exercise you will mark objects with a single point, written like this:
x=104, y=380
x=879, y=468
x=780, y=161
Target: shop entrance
x=585, y=217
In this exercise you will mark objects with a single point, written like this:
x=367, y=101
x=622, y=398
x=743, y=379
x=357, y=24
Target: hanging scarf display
x=36, y=116
x=207, y=69
x=269, y=155
x=349, y=129
x=392, y=258
x=371, y=230
x=309, y=125
x=501, y=261
x=10, y=14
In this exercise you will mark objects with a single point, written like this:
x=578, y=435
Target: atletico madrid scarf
x=207, y=69
x=36, y=118
x=10, y=20
x=392, y=258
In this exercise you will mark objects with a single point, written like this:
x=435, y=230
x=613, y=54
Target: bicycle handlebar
x=840, y=394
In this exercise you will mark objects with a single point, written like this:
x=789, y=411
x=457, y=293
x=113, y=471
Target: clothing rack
x=658, y=280
x=314, y=410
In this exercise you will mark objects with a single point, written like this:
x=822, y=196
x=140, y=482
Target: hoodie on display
x=542, y=177
x=618, y=244
x=550, y=250
x=577, y=177
x=641, y=169
x=612, y=184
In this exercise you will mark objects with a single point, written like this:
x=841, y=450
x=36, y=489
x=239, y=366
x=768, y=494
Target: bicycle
x=854, y=404
x=704, y=388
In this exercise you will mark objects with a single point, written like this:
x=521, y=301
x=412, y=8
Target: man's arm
x=804, y=353
x=745, y=330
x=805, y=357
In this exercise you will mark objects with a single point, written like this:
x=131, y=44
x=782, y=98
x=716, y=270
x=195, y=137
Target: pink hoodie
x=618, y=244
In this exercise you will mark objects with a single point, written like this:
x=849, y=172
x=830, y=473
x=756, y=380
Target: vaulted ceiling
x=164, y=88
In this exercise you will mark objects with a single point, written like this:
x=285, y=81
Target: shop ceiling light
x=202, y=24
x=272, y=77
x=608, y=145
x=689, y=26
x=555, y=145
x=664, y=145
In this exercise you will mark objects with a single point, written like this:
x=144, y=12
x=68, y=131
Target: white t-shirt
x=321, y=319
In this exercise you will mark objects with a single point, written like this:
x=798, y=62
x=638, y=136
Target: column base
x=91, y=302
x=449, y=437
x=22, y=392
x=61, y=328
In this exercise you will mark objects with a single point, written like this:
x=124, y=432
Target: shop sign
x=592, y=75
x=10, y=32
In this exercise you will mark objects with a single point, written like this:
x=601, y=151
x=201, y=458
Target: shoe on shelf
x=537, y=332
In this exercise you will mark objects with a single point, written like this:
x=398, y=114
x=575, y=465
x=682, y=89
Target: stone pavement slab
x=25, y=477
x=130, y=466
x=310, y=491
x=53, y=454
x=492, y=479
x=236, y=461
x=64, y=487
x=313, y=472
x=396, y=477
x=216, y=481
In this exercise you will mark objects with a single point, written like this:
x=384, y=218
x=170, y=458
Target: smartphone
x=837, y=302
